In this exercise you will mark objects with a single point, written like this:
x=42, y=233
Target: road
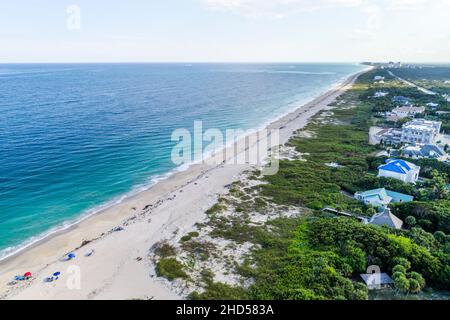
x=424, y=90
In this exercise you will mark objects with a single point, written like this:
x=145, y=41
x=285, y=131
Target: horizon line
x=217, y=62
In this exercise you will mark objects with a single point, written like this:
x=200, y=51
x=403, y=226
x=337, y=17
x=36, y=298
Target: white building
x=380, y=94
x=389, y=136
x=399, y=170
x=408, y=111
x=394, y=65
x=433, y=105
x=421, y=131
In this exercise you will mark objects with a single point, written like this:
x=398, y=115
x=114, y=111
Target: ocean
x=76, y=138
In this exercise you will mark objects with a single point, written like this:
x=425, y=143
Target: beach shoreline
x=132, y=227
x=70, y=224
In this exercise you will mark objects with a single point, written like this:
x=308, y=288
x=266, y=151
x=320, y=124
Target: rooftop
x=399, y=98
x=382, y=194
x=386, y=219
x=427, y=151
x=420, y=127
x=423, y=125
x=423, y=122
x=397, y=166
x=373, y=280
x=372, y=192
x=399, y=197
x=409, y=109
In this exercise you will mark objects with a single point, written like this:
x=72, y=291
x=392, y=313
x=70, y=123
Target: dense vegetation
x=431, y=216
x=318, y=256
x=316, y=185
x=170, y=268
x=437, y=79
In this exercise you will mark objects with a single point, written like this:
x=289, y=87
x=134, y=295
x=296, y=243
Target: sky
x=224, y=31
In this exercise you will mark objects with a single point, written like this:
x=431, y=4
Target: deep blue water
x=73, y=137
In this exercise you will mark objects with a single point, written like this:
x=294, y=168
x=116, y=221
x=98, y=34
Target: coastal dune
x=121, y=236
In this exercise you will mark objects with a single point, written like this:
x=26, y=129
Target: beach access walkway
x=346, y=214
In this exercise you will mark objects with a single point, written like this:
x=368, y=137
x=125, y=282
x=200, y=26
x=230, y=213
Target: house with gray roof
x=377, y=281
x=429, y=151
x=401, y=100
x=386, y=219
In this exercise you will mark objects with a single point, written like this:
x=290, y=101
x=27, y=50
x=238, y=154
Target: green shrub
x=402, y=284
x=402, y=262
x=170, y=269
x=419, y=278
x=164, y=250
x=217, y=208
x=189, y=236
x=399, y=269
x=440, y=236
x=411, y=221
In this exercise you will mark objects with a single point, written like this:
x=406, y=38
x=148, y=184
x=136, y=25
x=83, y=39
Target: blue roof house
x=400, y=170
x=381, y=198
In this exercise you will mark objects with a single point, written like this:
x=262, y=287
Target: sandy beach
x=120, y=237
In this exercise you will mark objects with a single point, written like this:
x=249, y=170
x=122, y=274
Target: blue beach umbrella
x=71, y=256
x=57, y=274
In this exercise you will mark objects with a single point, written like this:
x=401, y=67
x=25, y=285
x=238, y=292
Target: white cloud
x=417, y=4
x=280, y=8
x=276, y=8
x=374, y=17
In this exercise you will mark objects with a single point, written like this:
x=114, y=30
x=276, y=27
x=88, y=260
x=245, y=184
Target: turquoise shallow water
x=74, y=138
